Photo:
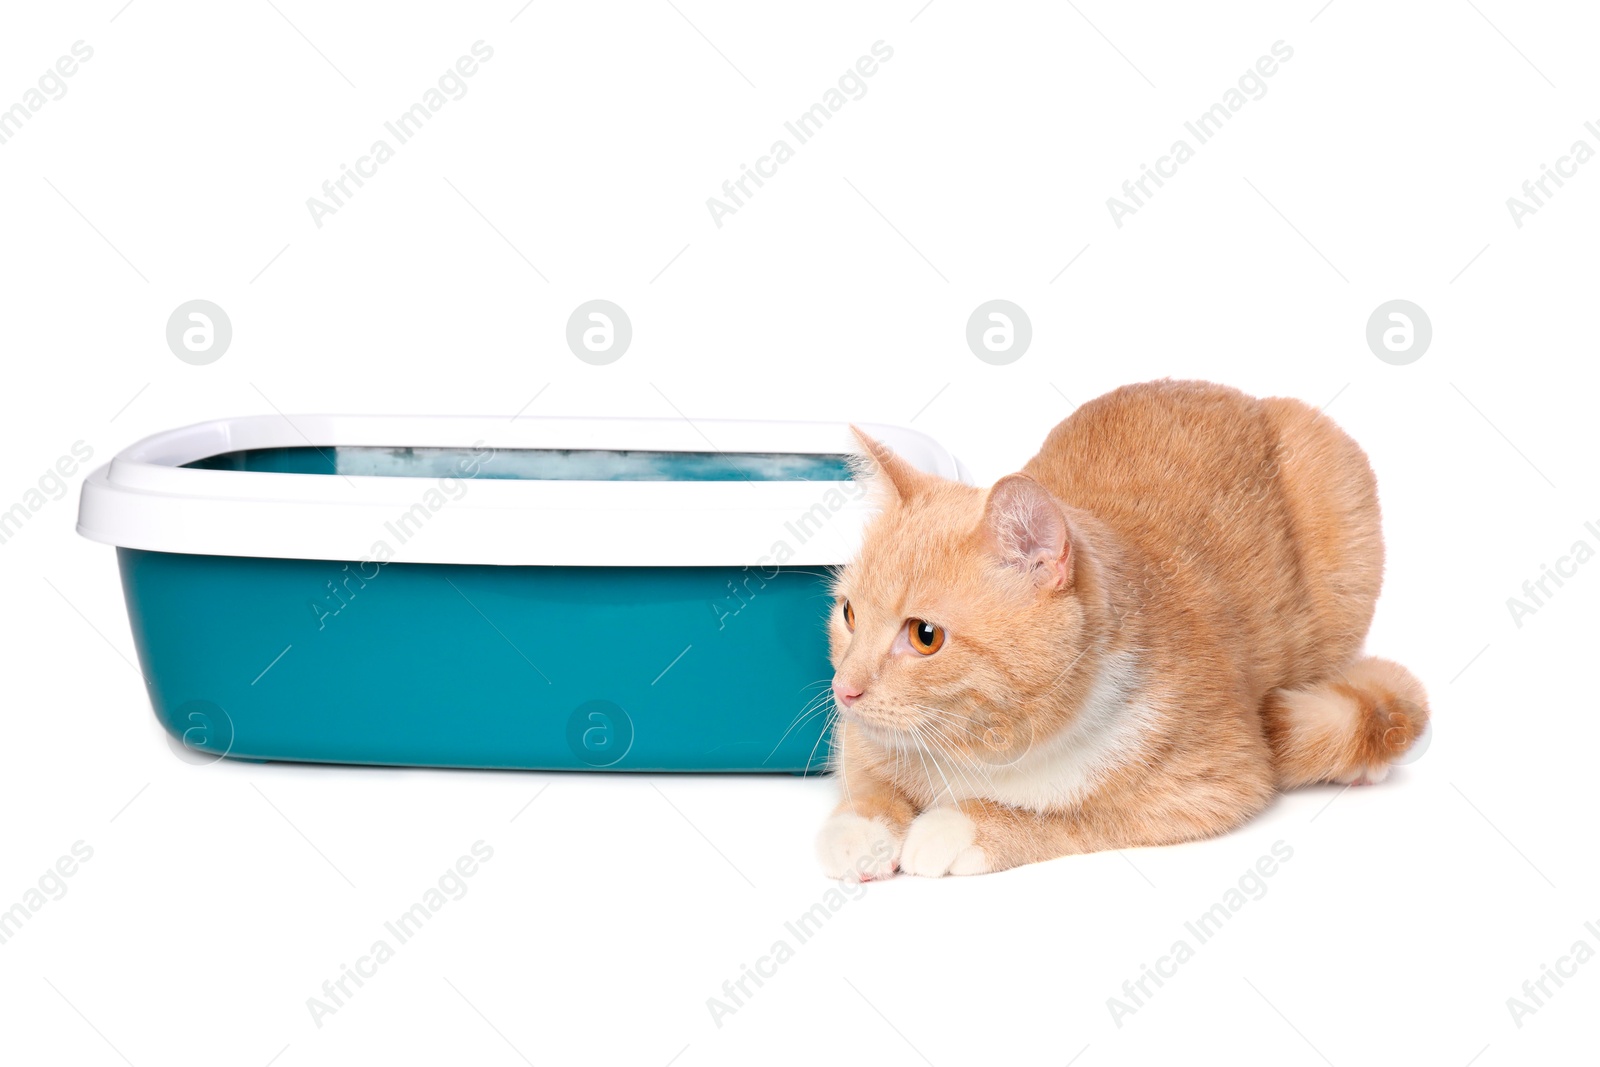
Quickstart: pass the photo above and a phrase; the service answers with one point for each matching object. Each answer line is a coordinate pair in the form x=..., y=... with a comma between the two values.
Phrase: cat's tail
x=1349, y=728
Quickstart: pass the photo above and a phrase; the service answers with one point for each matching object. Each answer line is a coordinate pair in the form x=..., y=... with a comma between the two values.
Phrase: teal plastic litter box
x=549, y=594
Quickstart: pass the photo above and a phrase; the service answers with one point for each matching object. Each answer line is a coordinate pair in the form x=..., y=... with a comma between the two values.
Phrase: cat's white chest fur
x=1058, y=772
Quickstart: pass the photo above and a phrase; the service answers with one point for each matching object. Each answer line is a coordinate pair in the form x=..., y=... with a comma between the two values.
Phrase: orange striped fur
x=1147, y=632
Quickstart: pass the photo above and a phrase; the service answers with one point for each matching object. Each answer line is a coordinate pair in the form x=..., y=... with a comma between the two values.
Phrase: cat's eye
x=849, y=617
x=925, y=637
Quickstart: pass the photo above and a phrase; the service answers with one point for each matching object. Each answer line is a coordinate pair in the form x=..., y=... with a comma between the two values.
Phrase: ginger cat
x=1135, y=641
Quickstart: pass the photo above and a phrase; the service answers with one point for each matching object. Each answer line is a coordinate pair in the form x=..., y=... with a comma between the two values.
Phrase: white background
x=977, y=166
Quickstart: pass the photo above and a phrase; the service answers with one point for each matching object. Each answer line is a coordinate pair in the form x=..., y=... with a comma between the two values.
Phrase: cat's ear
x=1025, y=527
x=880, y=464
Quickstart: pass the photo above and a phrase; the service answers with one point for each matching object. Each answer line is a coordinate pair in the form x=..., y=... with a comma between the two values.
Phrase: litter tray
x=549, y=594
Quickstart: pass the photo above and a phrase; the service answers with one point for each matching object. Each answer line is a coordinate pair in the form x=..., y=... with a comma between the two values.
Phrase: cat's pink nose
x=844, y=692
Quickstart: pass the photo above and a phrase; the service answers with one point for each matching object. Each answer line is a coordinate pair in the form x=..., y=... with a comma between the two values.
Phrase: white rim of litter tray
x=146, y=499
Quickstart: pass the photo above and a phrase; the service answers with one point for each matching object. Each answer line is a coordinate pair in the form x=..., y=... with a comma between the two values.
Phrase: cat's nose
x=844, y=692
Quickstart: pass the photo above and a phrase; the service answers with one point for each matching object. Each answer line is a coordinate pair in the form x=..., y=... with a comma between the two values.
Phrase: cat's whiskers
x=815, y=574
x=904, y=746
x=807, y=712
x=964, y=767
x=962, y=761
x=917, y=735
x=804, y=718
x=833, y=719
x=945, y=717
x=928, y=777
x=838, y=760
x=940, y=746
x=970, y=770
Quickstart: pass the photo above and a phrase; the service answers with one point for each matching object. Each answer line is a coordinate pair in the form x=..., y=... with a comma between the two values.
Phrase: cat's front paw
x=857, y=849
x=943, y=841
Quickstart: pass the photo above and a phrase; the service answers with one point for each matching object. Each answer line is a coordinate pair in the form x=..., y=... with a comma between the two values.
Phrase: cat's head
x=961, y=616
